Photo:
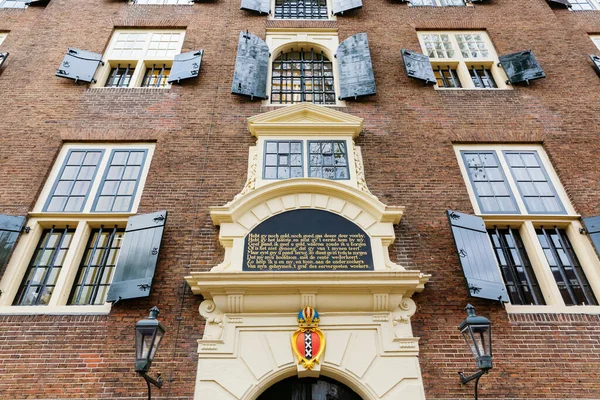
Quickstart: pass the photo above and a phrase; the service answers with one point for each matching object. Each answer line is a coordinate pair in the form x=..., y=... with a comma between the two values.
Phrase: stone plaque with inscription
x=307, y=240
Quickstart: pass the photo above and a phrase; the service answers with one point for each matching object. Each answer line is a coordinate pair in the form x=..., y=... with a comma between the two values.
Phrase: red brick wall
x=201, y=158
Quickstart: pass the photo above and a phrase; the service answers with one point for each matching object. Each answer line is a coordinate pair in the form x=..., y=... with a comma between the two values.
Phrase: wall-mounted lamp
x=148, y=335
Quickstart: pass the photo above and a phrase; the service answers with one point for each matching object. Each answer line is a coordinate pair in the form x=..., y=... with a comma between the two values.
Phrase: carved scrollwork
x=360, y=172
x=251, y=180
x=401, y=318
x=214, y=319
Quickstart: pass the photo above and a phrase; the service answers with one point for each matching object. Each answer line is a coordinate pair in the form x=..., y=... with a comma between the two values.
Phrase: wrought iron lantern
x=477, y=332
x=148, y=335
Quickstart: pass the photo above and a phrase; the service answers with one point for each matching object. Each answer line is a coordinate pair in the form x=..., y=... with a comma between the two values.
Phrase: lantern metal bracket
x=158, y=382
x=466, y=379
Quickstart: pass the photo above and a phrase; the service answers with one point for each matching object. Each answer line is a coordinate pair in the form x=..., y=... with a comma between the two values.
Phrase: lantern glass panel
x=159, y=336
x=143, y=341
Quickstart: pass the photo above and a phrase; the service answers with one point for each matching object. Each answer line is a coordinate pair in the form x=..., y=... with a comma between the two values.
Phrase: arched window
x=321, y=388
x=301, y=9
x=299, y=76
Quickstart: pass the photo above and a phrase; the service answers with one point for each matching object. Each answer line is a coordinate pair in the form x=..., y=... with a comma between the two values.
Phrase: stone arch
x=329, y=371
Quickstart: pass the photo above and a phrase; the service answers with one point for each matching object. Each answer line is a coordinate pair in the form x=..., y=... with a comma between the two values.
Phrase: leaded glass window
x=299, y=76
x=519, y=278
x=13, y=4
x=301, y=9
x=438, y=45
x=74, y=181
x=488, y=182
x=568, y=274
x=328, y=160
x=283, y=159
x=472, y=45
x=97, y=267
x=582, y=5
x=533, y=182
x=45, y=266
x=120, y=181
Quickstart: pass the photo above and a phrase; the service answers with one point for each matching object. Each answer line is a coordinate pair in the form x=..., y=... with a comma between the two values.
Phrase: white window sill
x=56, y=310
x=552, y=309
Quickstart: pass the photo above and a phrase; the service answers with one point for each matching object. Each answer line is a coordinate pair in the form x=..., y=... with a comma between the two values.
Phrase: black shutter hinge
x=26, y=229
x=154, y=251
x=143, y=287
x=160, y=218
x=454, y=216
x=246, y=35
x=474, y=289
x=462, y=253
x=583, y=231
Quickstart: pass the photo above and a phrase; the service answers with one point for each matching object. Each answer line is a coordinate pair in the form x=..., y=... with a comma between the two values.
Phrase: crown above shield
x=308, y=317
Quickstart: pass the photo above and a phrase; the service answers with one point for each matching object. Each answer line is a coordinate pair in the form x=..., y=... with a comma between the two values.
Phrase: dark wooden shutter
x=3, y=57
x=592, y=226
x=185, y=66
x=138, y=257
x=10, y=229
x=251, y=67
x=355, y=67
x=595, y=63
x=79, y=65
x=260, y=6
x=418, y=66
x=559, y=3
x=521, y=67
x=477, y=258
x=340, y=6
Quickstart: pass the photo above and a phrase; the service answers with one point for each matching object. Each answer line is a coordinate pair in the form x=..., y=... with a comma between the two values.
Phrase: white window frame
x=283, y=40
x=83, y=223
x=594, y=3
x=526, y=225
x=596, y=40
x=13, y=4
x=462, y=64
x=140, y=62
x=3, y=36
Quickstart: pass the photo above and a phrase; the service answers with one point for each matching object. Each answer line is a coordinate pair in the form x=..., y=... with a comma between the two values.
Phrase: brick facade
x=201, y=157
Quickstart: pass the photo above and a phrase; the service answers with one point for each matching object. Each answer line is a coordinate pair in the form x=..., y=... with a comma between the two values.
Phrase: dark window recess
x=138, y=257
x=251, y=67
x=355, y=68
x=79, y=65
x=300, y=76
x=301, y=9
x=592, y=225
x=3, y=57
x=185, y=66
x=283, y=160
x=328, y=160
x=120, y=181
x=73, y=185
x=10, y=229
x=521, y=67
x=97, y=267
x=260, y=6
x=559, y=3
x=482, y=77
x=418, y=66
x=568, y=274
x=156, y=76
x=120, y=76
x=595, y=63
x=519, y=278
x=477, y=257
x=47, y=261
x=446, y=77
x=341, y=6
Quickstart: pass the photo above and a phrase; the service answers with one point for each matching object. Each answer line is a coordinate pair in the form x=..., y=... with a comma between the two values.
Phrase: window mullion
x=511, y=182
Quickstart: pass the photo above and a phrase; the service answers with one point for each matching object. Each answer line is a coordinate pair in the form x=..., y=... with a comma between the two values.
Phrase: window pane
x=279, y=155
x=96, y=270
x=44, y=267
x=521, y=284
x=301, y=80
x=488, y=182
x=329, y=160
x=118, y=187
x=567, y=271
x=72, y=186
x=533, y=182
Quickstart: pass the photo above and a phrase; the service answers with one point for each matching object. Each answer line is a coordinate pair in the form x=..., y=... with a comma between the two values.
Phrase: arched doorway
x=309, y=389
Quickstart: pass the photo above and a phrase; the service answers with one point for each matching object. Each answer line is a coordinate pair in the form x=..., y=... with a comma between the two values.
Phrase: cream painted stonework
x=251, y=316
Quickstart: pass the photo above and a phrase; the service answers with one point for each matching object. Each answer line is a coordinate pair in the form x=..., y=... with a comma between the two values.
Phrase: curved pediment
x=306, y=119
